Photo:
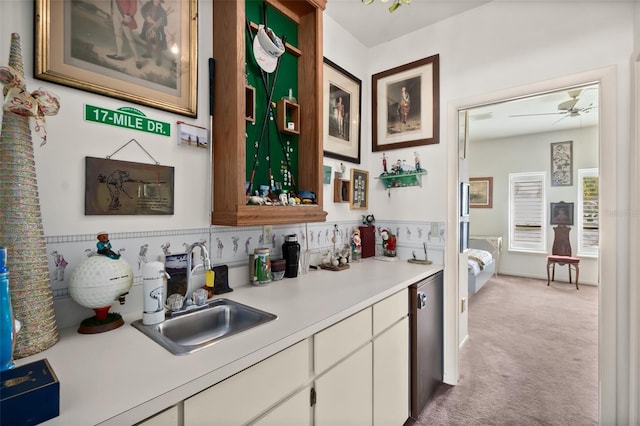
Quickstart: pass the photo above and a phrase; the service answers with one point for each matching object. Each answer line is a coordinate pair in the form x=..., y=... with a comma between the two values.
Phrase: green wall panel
x=269, y=148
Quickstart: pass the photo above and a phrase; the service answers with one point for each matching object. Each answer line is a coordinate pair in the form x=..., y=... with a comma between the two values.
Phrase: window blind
x=588, y=212
x=527, y=212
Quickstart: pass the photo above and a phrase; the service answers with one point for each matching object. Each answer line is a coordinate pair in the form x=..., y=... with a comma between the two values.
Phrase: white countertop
x=122, y=377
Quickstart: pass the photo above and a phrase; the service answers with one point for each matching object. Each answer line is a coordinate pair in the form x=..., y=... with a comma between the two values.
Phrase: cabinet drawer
x=390, y=310
x=336, y=342
x=243, y=396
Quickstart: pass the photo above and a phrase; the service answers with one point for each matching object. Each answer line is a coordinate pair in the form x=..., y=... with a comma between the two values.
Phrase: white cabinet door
x=242, y=397
x=295, y=411
x=391, y=375
x=388, y=311
x=344, y=393
x=336, y=342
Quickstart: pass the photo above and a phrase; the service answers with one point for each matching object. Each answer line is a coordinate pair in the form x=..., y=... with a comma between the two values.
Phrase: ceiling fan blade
x=567, y=105
x=561, y=118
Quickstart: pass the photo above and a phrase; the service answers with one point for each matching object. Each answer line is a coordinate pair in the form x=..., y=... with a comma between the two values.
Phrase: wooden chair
x=561, y=255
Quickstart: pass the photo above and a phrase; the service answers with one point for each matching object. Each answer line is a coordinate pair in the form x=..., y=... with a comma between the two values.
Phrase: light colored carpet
x=531, y=358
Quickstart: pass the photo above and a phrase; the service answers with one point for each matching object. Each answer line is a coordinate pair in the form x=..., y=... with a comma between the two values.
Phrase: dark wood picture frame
x=342, y=102
x=481, y=192
x=406, y=105
x=561, y=213
x=75, y=46
x=464, y=199
x=359, y=194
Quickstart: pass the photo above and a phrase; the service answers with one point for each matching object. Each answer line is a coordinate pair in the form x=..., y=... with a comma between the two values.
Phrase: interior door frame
x=607, y=272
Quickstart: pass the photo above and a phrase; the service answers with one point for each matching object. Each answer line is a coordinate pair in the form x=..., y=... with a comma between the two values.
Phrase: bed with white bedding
x=482, y=267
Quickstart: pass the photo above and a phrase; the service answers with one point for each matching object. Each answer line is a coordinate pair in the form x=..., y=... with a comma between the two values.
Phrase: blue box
x=29, y=394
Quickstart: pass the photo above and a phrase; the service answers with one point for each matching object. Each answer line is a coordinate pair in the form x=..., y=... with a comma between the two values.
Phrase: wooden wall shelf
x=250, y=104
x=341, y=190
x=288, y=112
x=402, y=180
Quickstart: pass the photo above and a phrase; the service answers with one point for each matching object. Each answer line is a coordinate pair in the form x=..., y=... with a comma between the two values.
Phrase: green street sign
x=127, y=117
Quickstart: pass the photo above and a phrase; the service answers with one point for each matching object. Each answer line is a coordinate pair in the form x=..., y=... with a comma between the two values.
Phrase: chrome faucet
x=205, y=265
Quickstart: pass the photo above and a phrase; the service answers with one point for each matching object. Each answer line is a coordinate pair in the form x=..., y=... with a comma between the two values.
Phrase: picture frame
x=562, y=163
x=561, y=213
x=464, y=199
x=342, y=102
x=75, y=46
x=359, y=190
x=481, y=192
x=463, y=133
x=118, y=188
x=464, y=236
x=406, y=105
x=192, y=136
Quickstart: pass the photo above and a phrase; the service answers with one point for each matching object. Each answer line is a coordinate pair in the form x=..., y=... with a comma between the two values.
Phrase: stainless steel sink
x=195, y=330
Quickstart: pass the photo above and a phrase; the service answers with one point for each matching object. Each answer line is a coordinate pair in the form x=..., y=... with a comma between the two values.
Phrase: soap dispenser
x=154, y=292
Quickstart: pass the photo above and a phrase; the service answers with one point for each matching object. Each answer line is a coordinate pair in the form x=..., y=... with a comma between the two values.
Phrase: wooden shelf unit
x=288, y=112
x=341, y=190
x=229, y=155
x=250, y=104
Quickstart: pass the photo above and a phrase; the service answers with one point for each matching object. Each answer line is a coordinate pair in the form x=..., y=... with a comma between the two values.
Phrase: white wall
x=522, y=154
x=341, y=48
x=60, y=163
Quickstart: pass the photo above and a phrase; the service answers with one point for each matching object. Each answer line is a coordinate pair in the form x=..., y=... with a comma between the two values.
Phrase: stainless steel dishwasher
x=426, y=328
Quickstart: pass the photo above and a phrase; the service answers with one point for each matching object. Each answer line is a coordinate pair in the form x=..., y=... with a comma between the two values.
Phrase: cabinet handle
x=422, y=300
x=312, y=397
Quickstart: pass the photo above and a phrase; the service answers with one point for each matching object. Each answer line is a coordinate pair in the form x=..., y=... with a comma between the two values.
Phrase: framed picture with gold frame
x=119, y=53
x=359, y=194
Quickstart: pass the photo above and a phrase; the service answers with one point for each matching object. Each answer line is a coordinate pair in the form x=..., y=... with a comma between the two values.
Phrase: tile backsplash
x=227, y=245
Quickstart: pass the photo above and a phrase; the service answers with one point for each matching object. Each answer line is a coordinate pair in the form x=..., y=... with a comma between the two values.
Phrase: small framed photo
x=359, y=197
x=562, y=163
x=464, y=236
x=481, y=192
x=194, y=136
x=561, y=213
x=464, y=199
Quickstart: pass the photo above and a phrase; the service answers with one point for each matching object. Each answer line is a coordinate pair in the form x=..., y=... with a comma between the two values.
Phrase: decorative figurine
x=388, y=243
x=417, y=161
x=384, y=164
x=104, y=246
x=356, y=245
x=368, y=219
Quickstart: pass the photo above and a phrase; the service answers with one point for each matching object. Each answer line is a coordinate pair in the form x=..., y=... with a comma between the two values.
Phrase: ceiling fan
x=568, y=108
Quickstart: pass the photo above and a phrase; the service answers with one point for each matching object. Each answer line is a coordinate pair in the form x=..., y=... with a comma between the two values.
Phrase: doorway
x=455, y=322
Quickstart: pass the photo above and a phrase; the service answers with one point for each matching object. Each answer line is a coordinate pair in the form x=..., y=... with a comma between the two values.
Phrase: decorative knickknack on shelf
x=21, y=230
x=400, y=174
